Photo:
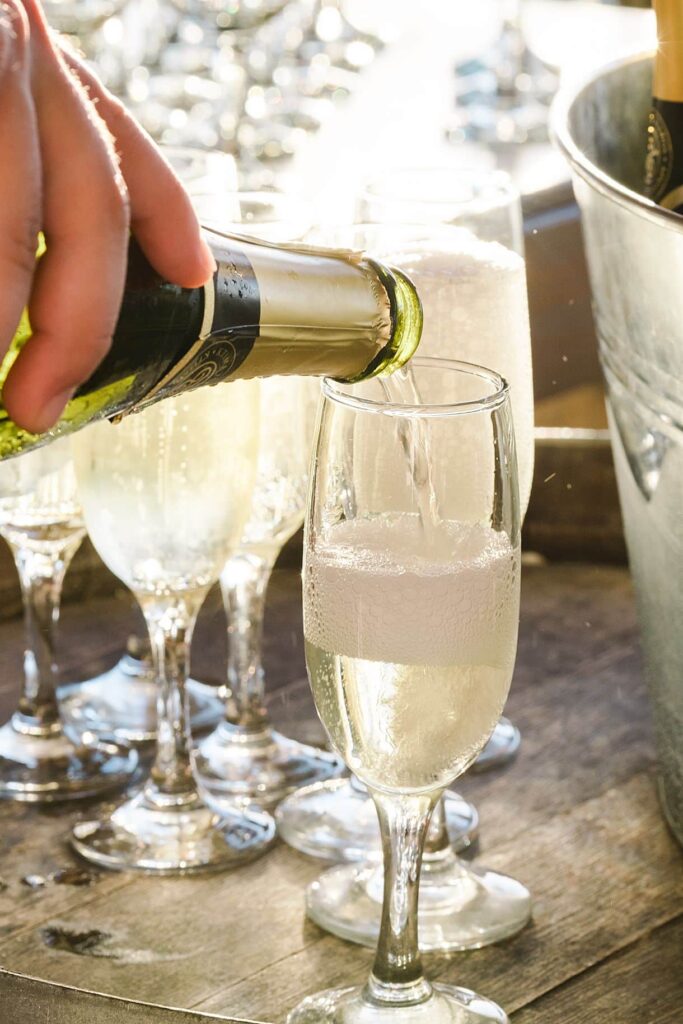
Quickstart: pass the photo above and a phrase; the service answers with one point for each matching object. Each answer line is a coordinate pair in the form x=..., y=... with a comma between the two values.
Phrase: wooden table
x=576, y=818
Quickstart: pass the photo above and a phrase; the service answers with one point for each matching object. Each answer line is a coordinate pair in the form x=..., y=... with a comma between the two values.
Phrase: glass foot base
x=231, y=764
x=501, y=748
x=176, y=840
x=337, y=821
x=446, y=1005
x=42, y=769
x=122, y=703
x=460, y=907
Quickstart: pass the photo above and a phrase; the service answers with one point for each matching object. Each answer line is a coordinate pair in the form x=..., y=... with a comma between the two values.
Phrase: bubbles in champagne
x=279, y=496
x=166, y=492
x=38, y=494
x=410, y=649
x=475, y=308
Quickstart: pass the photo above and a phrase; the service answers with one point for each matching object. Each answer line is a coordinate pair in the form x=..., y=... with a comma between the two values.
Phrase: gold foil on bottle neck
x=668, y=66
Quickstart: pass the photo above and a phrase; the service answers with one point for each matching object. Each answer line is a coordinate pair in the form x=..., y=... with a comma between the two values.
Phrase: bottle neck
x=274, y=309
x=668, y=67
x=406, y=323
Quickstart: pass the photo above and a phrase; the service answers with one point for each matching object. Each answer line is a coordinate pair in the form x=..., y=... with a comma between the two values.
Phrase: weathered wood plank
x=192, y=934
x=641, y=983
x=575, y=817
x=33, y=845
x=583, y=913
x=602, y=875
x=34, y=1001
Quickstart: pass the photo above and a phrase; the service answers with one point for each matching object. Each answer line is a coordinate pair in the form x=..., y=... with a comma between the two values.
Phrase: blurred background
x=316, y=97
x=313, y=98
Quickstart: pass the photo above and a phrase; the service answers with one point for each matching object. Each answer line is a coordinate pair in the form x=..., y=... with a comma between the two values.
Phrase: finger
x=20, y=183
x=162, y=217
x=79, y=283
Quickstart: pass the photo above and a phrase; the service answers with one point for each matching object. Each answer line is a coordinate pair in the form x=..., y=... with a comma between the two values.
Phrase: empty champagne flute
x=411, y=607
x=41, y=520
x=245, y=757
x=165, y=494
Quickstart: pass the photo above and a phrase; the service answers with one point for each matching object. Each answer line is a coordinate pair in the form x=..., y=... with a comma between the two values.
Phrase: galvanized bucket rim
x=561, y=134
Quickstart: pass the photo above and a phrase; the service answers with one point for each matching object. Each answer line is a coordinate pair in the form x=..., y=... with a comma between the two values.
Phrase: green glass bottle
x=269, y=310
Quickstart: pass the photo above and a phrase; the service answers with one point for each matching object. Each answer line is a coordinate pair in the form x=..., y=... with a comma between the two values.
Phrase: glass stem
x=244, y=582
x=41, y=574
x=439, y=856
x=438, y=840
x=397, y=977
x=170, y=625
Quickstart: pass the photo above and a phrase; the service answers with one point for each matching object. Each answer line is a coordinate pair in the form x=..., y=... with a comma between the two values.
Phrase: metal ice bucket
x=634, y=251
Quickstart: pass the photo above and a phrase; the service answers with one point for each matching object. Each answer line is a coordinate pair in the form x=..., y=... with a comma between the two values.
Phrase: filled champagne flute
x=336, y=820
x=165, y=494
x=122, y=700
x=475, y=296
x=40, y=759
x=464, y=256
x=411, y=607
x=245, y=757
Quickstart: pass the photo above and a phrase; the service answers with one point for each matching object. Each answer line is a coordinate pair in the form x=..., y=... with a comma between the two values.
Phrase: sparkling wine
x=38, y=499
x=279, y=496
x=408, y=676
x=475, y=307
x=166, y=493
x=402, y=389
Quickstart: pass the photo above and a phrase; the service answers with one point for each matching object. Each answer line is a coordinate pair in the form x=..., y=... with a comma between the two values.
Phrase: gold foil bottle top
x=668, y=67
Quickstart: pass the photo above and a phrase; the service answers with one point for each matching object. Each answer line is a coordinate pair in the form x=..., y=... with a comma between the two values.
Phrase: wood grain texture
x=643, y=982
x=575, y=817
x=76, y=1006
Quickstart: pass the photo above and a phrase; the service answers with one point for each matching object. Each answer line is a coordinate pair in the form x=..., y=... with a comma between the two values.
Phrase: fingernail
x=52, y=410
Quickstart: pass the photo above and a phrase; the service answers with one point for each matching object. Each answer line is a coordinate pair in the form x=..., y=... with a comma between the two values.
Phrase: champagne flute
x=123, y=700
x=165, y=494
x=473, y=289
x=476, y=301
x=245, y=757
x=336, y=819
x=411, y=605
x=41, y=521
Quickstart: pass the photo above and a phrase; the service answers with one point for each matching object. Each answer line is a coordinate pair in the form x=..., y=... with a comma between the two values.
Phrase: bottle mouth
x=405, y=310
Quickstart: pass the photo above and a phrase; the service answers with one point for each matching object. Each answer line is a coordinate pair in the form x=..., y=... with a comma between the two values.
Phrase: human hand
x=77, y=167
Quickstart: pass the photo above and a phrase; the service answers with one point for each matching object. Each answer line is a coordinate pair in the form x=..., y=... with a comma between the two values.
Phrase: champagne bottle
x=664, y=158
x=269, y=309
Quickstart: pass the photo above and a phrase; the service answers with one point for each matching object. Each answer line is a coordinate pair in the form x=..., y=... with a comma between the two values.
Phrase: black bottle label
x=664, y=157
x=230, y=326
